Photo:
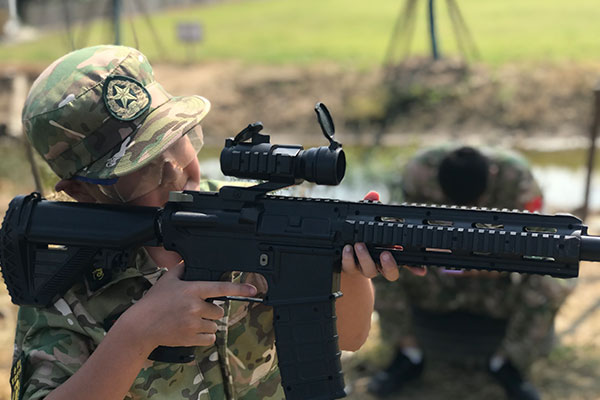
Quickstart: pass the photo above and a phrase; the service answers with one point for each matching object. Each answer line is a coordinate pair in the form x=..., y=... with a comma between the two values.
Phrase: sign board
x=190, y=32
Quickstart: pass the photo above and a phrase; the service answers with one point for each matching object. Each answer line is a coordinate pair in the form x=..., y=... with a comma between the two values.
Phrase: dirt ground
x=418, y=97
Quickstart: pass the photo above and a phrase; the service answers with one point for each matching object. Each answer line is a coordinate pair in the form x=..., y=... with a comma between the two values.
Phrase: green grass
x=348, y=32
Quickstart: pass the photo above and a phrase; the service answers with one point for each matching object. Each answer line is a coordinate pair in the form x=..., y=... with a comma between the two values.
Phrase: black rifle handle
x=185, y=354
x=179, y=354
x=308, y=351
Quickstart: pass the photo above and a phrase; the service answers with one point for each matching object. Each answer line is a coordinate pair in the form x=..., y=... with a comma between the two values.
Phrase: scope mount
x=252, y=131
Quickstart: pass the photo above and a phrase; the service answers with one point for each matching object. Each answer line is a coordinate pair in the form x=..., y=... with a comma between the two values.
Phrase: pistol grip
x=185, y=354
x=179, y=354
x=308, y=351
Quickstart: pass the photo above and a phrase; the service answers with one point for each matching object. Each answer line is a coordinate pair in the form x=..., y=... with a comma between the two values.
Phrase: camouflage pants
x=528, y=303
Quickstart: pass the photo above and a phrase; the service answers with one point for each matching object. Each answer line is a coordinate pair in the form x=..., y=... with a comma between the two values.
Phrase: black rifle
x=295, y=243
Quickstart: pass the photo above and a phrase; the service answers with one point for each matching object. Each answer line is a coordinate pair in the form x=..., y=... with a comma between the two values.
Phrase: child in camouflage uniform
x=452, y=174
x=114, y=135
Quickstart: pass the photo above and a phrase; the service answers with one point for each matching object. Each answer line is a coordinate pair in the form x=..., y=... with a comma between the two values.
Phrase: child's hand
x=175, y=312
x=366, y=265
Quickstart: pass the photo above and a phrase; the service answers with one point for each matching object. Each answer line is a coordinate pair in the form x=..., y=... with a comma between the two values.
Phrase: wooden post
x=20, y=87
x=592, y=150
x=435, y=54
x=19, y=93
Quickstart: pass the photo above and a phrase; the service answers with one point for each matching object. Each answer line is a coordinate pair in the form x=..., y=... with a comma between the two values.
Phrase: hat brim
x=161, y=128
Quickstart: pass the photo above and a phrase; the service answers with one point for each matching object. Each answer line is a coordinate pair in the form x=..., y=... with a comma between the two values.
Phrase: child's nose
x=170, y=172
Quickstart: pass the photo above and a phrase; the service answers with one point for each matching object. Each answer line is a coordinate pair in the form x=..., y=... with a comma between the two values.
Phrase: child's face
x=186, y=178
x=176, y=169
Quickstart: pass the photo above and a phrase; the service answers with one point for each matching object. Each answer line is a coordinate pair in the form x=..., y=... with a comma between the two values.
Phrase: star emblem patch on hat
x=125, y=98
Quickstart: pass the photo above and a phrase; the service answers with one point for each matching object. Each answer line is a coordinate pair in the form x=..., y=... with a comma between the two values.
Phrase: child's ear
x=76, y=189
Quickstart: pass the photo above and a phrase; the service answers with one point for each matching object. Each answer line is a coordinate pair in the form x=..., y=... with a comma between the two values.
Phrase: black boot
x=516, y=387
x=394, y=377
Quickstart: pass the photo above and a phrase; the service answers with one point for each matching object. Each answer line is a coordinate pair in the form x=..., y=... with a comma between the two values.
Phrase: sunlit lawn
x=355, y=33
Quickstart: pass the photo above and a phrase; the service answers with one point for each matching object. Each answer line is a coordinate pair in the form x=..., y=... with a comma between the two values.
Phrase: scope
x=250, y=155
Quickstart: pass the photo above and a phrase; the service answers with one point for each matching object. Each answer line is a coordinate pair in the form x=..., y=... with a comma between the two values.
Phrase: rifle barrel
x=590, y=248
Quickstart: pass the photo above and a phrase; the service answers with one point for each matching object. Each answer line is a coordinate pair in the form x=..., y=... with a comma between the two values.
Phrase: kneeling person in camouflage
x=521, y=306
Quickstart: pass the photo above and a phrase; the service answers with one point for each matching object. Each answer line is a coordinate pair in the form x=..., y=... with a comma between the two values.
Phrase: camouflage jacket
x=51, y=344
x=510, y=184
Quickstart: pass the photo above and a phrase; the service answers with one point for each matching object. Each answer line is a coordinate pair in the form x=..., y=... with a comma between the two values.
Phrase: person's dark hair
x=463, y=175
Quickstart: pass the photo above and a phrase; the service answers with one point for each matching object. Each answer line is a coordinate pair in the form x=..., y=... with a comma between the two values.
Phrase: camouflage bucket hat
x=97, y=114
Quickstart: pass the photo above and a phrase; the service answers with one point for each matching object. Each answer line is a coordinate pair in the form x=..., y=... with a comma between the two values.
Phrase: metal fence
x=55, y=13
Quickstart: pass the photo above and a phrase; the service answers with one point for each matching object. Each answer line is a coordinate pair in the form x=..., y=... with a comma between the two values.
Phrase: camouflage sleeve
x=512, y=184
x=50, y=346
x=530, y=331
x=530, y=195
x=419, y=181
x=251, y=348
